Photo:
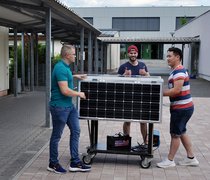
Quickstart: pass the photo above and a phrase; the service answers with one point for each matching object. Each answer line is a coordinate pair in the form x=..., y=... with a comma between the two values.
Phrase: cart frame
x=95, y=147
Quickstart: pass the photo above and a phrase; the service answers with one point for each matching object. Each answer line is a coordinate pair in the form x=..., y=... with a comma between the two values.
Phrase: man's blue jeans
x=60, y=117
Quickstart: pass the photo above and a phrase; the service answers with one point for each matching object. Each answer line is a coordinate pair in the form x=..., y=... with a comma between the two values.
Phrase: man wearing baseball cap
x=134, y=67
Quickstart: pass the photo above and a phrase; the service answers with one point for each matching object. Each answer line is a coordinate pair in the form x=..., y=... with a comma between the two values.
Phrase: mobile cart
x=117, y=98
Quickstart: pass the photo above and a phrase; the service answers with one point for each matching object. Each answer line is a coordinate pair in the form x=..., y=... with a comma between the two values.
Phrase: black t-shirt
x=134, y=69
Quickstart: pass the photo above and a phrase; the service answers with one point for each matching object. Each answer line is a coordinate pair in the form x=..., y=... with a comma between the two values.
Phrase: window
x=136, y=23
x=89, y=19
x=180, y=21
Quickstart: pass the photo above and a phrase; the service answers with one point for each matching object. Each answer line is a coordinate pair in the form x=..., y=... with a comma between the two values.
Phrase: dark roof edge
x=63, y=8
x=177, y=40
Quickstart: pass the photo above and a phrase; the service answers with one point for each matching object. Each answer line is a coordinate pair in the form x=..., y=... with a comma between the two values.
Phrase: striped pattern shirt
x=183, y=100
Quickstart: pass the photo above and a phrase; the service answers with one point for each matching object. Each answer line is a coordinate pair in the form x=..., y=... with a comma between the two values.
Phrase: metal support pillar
x=48, y=67
x=76, y=64
x=22, y=62
x=29, y=62
x=90, y=58
x=105, y=58
x=37, y=61
x=15, y=81
x=82, y=50
x=32, y=62
x=183, y=54
x=96, y=55
x=53, y=48
x=102, y=58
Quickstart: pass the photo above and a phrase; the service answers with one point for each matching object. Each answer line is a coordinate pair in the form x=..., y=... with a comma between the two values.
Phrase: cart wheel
x=144, y=163
x=87, y=159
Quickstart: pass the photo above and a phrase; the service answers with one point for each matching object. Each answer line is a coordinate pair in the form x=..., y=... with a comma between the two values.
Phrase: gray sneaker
x=189, y=162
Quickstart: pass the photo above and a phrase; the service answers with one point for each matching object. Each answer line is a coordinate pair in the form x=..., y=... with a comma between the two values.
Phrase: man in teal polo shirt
x=63, y=112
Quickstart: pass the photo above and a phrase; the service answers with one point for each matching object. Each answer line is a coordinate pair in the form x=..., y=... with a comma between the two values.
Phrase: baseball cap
x=132, y=47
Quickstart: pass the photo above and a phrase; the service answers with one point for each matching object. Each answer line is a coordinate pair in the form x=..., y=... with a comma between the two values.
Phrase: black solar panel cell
x=137, y=97
x=101, y=104
x=93, y=86
x=155, y=88
x=146, y=88
x=119, y=96
x=155, y=98
x=109, y=113
x=102, y=96
x=110, y=105
x=93, y=112
x=119, y=113
x=119, y=87
x=101, y=113
x=119, y=105
x=137, y=106
x=110, y=87
x=102, y=87
x=111, y=95
x=154, y=116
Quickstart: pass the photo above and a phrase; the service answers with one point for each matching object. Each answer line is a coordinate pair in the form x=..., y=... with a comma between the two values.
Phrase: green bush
x=41, y=58
x=55, y=59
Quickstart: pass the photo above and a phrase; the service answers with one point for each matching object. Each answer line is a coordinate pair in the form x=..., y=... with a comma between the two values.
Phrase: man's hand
x=142, y=72
x=127, y=72
x=173, y=92
x=80, y=76
x=82, y=95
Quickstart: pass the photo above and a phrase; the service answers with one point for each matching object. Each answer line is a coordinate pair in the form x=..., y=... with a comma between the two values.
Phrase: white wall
x=4, y=60
x=200, y=27
x=113, y=57
x=57, y=48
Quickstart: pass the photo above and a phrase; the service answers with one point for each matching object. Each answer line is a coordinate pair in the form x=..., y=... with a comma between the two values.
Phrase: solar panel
x=121, y=98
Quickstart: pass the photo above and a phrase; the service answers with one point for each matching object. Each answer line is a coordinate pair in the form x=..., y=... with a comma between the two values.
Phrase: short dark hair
x=176, y=51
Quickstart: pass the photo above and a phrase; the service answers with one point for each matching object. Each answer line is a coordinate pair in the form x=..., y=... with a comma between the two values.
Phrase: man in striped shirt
x=181, y=110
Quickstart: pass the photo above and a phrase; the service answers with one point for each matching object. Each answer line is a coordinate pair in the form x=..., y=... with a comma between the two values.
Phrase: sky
x=126, y=3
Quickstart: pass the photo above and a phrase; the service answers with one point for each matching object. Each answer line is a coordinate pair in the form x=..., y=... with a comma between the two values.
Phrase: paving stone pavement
x=126, y=167
x=22, y=131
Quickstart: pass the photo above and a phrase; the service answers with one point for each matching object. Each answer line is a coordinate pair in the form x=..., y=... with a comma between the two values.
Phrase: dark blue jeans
x=60, y=117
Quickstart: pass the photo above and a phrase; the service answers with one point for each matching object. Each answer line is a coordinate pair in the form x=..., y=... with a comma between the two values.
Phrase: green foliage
x=41, y=58
x=183, y=20
x=42, y=53
x=11, y=63
x=55, y=59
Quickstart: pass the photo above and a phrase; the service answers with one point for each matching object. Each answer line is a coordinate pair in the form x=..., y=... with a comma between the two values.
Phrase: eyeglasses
x=73, y=54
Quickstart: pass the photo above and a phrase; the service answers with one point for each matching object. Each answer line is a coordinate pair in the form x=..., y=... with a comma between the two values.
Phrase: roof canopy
x=30, y=16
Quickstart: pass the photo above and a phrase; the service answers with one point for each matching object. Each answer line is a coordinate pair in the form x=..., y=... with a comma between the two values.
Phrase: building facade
x=142, y=22
x=198, y=27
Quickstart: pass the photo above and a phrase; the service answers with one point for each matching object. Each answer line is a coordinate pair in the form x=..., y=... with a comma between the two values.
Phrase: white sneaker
x=166, y=163
x=189, y=162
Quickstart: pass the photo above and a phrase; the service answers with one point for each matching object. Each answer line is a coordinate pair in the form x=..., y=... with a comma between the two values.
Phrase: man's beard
x=132, y=59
